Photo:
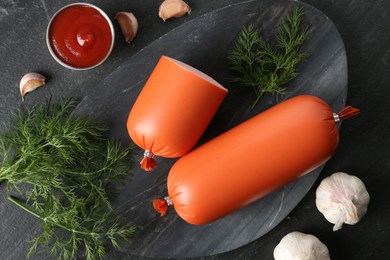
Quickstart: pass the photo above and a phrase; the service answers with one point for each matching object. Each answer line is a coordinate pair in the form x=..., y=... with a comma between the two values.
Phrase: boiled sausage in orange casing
x=254, y=159
x=173, y=110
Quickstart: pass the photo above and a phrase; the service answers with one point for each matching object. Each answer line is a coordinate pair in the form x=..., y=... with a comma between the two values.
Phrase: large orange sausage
x=253, y=159
x=173, y=110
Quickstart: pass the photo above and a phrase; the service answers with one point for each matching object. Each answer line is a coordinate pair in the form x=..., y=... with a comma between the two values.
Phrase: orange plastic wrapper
x=253, y=159
x=173, y=110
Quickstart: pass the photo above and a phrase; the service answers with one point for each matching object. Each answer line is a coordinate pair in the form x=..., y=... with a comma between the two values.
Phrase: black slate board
x=204, y=43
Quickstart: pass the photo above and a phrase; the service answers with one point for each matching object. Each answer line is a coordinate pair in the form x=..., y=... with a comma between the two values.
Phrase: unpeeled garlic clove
x=128, y=24
x=30, y=82
x=342, y=198
x=299, y=246
x=173, y=8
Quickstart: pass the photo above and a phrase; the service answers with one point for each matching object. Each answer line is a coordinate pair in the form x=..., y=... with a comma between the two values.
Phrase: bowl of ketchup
x=80, y=36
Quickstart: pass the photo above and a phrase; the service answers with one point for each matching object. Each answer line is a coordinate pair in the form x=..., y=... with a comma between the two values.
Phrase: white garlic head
x=342, y=198
x=301, y=246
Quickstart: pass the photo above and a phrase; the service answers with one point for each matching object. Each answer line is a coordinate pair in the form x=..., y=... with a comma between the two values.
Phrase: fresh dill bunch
x=63, y=168
x=264, y=68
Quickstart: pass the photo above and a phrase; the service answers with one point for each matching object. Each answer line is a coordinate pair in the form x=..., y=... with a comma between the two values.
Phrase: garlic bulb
x=30, y=82
x=300, y=246
x=342, y=198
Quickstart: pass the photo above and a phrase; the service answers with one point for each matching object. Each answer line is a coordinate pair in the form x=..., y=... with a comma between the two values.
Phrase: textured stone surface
x=205, y=44
x=202, y=39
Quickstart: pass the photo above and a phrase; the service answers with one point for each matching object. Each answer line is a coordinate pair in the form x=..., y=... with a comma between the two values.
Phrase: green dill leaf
x=264, y=68
x=61, y=166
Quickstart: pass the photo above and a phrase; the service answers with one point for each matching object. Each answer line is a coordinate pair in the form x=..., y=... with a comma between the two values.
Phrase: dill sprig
x=63, y=169
x=264, y=68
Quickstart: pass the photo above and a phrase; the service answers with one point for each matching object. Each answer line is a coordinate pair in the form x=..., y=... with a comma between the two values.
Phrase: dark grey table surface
x=364, y=27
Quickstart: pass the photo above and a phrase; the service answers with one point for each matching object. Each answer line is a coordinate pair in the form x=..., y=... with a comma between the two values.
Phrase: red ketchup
x=80, y=36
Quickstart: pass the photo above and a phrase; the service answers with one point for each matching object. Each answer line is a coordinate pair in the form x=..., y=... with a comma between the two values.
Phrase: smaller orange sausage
x=253, y=159
x=173, y=110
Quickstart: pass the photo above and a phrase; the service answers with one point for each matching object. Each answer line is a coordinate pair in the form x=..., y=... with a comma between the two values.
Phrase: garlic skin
x=342, y=198
x=30, y=82
x=301, y=246
x=128, y=24
x=173, y=8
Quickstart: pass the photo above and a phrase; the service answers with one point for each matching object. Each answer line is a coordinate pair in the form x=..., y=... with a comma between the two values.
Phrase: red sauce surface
x=80, y=36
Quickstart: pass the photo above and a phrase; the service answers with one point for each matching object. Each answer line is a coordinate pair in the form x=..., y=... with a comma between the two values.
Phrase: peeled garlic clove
x=128, y=24
x=30, y=82
x=342, y=198
x=300, y=246
x=173, y=8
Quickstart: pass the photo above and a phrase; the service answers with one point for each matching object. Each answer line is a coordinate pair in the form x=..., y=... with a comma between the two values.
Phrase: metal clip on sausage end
x=161, y=206
x=148, y=163
x=345, y=113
